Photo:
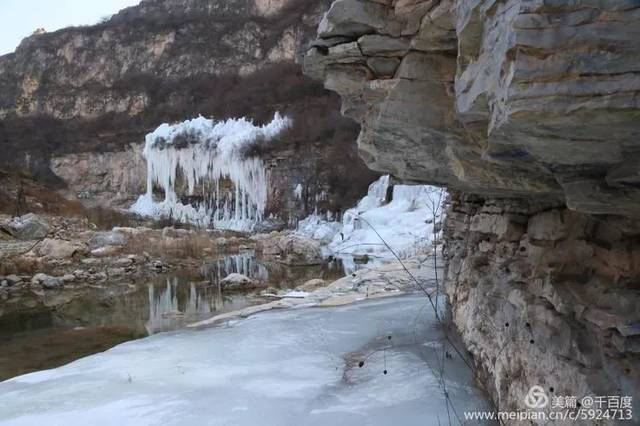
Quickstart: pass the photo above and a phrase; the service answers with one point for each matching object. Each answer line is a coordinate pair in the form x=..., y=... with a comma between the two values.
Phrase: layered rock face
x=103, y=178
x=528, y=111
x=501, y=98
x=91, y=71
x=545, y=296
x=75, y=104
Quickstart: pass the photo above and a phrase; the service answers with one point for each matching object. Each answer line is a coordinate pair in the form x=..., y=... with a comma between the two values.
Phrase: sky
x=20, y=18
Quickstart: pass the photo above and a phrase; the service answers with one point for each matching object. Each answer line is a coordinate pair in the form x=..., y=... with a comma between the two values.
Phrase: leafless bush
x=195, y=245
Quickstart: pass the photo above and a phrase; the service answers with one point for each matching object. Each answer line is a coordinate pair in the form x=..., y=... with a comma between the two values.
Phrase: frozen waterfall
x=402, y=216
x=204, y=153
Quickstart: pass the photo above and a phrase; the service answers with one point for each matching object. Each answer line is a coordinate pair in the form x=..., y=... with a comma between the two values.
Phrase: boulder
x=237, y=282
x=312, y=285
x=12, y=279
x=291, y=249
x=267, y=244
x=60, y=249
x=47, y=281
x=109, y=238
x=298, y=250
x=27, y=227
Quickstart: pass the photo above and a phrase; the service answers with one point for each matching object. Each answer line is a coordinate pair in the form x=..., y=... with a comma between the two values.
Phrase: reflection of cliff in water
x=245, y=263
x=272, y=273
x=175, y=304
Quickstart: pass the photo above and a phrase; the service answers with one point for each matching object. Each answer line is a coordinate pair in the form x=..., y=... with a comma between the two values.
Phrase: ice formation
x=205, y=152
x=405, y=223
x=292, y=367
x=297, y=192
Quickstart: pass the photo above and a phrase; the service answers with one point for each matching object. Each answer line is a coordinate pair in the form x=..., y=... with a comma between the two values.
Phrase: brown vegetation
x=20, y=194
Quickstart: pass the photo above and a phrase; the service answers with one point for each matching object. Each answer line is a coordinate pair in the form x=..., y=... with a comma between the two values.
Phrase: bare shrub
x=195, y=245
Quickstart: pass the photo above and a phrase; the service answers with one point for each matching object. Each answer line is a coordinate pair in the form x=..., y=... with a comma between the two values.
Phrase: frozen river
x=291, y=367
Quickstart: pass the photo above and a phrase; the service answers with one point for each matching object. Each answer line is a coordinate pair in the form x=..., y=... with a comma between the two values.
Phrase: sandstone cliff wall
x=528, y=111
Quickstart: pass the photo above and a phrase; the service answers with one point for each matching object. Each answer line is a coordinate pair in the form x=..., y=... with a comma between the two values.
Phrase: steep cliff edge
x=75, y=104
x=528, y=111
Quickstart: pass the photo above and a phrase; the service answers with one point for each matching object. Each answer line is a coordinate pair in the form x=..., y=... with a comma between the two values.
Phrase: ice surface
x=405, y=223
x=203, y=152
x=293, y=367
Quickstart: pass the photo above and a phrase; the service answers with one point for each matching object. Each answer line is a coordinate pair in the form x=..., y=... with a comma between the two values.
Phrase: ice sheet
x=293, y=367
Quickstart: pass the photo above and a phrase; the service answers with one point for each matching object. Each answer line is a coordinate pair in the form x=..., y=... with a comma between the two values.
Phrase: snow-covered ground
x=405, y=224
x=291, y=367
x=203, y=152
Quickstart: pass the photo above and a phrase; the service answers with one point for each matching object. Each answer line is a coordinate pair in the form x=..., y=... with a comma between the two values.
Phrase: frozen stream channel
x=290, y=367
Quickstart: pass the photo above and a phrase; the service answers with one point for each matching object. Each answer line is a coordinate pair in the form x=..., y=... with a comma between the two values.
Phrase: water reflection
x=245, y=263
x=46, y=331
x=172, y=305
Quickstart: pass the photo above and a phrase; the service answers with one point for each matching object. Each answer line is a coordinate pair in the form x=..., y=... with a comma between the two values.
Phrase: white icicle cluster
x=207, y=151
x=405, y=222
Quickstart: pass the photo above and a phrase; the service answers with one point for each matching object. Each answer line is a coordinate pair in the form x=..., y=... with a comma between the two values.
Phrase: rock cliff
x=504, y=98
x=75, y=104
x=545, y=296
x=528, y=112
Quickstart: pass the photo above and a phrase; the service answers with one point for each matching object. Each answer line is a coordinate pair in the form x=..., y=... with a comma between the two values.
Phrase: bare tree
x=20, y=201
x=435, y=206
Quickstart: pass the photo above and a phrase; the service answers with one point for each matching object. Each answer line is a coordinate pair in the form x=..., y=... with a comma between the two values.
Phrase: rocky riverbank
x=51, y=252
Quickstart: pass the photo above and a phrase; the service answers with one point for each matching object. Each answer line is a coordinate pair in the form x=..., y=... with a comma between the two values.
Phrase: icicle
x=215, y=155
